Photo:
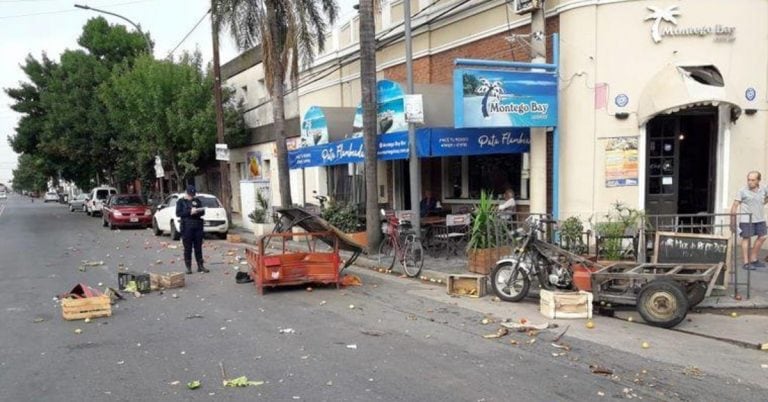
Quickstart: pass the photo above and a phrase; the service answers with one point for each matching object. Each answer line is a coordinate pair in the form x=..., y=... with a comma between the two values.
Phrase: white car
x=96, y=199
x=51, y=196
x=214, y=220
x=3, y=195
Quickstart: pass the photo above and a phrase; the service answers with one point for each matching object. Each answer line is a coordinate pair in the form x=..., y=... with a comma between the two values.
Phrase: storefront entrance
x=681, y=164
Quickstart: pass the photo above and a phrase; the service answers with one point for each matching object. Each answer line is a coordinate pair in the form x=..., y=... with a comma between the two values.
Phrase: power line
x=190, y=32
x=5, y=17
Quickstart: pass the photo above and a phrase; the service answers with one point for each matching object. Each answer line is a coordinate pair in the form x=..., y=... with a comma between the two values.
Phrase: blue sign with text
x=455, y=142
x=391, y=147
x=503, y=98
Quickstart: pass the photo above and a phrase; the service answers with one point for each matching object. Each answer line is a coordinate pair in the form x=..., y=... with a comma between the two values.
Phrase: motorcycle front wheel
x=508, y=283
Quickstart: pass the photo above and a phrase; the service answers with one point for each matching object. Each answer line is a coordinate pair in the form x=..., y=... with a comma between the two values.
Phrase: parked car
x=3, y=195
x=126, y=210
x=51, y=196
x=78, y=203
x=96, y=199
x=214, y=221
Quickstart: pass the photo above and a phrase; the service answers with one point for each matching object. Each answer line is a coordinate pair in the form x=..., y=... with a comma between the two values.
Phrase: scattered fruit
x=351, y=306
x=87, y=320
x=590, y=324
x=645, y=345
x=78, y=331
x=309, y=289
x=630, y=319
x=734, y=314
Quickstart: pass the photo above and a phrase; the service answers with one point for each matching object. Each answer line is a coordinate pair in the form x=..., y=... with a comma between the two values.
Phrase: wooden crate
x=172, y=280
x=466, y=285
x=89, y=307
x=557, y=305
x=154, y=282
x=234, y=238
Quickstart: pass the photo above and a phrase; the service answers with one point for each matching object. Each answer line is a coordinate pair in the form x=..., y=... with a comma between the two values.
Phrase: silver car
x=78, y=203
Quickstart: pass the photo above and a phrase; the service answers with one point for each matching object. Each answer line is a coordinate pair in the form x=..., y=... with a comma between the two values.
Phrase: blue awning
x=431, y=142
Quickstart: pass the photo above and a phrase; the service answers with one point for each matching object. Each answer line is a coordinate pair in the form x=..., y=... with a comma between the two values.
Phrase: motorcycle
x=534, y=259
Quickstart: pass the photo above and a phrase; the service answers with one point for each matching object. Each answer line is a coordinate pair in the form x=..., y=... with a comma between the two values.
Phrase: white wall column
x=538, y=170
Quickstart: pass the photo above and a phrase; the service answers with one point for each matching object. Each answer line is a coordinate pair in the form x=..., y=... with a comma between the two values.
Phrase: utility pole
x=538, y=153
x=414, y=167
x=223, y=165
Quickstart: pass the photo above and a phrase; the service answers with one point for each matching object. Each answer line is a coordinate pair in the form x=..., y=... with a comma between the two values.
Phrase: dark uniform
x=191, y=229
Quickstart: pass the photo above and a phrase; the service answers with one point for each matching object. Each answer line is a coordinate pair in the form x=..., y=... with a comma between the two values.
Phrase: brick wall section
x=438, y=68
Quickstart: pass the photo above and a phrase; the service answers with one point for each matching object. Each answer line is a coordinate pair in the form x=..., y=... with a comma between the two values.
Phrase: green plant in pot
x=487, y=236
x=342, y=216
x=572, y=235
x=618, y=225
x=260, y=216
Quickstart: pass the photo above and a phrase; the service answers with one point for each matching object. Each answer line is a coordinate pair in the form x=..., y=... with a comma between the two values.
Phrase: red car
x=126, y=210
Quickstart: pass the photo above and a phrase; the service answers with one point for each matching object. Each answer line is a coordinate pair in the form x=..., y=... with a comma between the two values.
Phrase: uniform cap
x=191, y=190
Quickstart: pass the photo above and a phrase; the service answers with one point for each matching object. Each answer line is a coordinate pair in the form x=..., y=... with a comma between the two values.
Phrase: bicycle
x=400, y=243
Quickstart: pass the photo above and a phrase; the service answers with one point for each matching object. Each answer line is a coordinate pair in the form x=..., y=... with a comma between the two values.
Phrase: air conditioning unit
x=526, y=6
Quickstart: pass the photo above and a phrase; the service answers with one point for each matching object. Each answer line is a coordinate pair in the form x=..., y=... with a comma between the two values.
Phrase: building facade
x=661, y=103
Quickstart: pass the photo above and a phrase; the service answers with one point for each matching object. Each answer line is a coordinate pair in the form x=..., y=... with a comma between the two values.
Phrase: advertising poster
x=254, y=163
x=621, y=162
x=314, y=128
x=391, y=110
x=502, y=98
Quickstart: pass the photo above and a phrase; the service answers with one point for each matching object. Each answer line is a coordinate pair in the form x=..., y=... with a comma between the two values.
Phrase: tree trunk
x=278, y=114
x=369, y=101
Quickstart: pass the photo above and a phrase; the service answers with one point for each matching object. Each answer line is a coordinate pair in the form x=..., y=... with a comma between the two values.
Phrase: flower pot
x=261, y=229
x=481, y=261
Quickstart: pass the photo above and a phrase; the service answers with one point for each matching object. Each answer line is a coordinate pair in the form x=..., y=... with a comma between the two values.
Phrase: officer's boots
x=201, y=267
x=188, y=264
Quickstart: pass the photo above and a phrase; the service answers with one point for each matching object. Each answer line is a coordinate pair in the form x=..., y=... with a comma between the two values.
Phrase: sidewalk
x=438, y=269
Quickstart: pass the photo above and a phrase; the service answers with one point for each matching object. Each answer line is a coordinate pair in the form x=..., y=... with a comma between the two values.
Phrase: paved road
x=408, y=348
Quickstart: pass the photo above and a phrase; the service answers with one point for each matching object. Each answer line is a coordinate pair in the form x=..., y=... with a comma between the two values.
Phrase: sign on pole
x=159, y=172
x=222, y=152
x=414, y=109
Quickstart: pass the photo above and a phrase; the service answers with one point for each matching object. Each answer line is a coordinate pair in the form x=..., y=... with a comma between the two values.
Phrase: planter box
x=261, y=229
x=557, y=305
x=481, y=261
x=466, y=285
x=89, y=307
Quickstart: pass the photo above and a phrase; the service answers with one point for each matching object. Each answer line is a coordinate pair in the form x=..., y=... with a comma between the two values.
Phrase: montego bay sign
x=504, y=98
x=664, y=24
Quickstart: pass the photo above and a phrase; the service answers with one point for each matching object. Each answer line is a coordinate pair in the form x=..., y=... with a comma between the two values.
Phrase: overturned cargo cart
x=277, y=261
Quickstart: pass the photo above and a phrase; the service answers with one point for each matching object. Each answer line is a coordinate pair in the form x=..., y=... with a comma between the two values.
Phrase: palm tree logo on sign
x=657, y=15
x=491, y=92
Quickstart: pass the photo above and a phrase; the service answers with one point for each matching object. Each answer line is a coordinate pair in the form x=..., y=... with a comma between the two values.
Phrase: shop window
x=495, y=174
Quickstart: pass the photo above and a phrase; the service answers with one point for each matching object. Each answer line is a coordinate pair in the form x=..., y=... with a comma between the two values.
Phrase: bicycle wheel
x=386, y=255
x=413, y=258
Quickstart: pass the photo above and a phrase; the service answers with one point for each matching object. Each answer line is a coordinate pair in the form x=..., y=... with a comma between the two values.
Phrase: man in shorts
x=751, y=199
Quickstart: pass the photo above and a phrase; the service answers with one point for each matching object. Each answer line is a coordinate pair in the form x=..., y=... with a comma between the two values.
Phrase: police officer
x=191, y=212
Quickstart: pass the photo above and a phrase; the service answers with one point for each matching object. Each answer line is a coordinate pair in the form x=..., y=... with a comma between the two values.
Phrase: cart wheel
x=662, y=303
x=696, y=292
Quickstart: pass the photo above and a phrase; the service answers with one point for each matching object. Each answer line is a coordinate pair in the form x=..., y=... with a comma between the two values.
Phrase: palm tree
x=288, y=31
x=658, y=15
x=370, y=106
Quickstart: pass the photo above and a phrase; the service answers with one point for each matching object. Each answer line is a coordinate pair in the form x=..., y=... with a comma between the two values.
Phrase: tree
x=370, y=106
x=287, y=31
x=165, y=108
x=29, y=174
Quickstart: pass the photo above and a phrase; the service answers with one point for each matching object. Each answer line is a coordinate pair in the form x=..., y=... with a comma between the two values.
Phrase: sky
x=52, y=26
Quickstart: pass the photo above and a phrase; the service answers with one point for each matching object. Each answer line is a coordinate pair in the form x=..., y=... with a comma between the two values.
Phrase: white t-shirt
x=508, y=204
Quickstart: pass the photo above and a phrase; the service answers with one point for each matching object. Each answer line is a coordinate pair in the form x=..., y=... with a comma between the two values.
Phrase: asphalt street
x=379, y=341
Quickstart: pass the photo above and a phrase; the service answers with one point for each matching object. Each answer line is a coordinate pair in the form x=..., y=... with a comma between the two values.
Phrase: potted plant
x=572, y=235
x=344, y=217
x=487, y=237
x=621, y=224
x=260, y=217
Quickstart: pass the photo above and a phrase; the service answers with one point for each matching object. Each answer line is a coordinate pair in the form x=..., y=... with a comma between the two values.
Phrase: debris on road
x=371, y=332
x=193, y=384
x=351, y=280
x=600, y=370
x=287, y=331
x=525, y=327
x=352, y=346
x=241, y=382
x=78, y=331
x=501, y=332
x=38, y=320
